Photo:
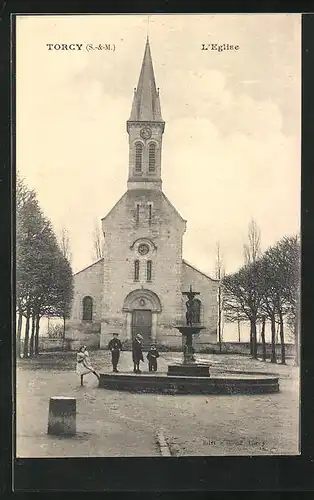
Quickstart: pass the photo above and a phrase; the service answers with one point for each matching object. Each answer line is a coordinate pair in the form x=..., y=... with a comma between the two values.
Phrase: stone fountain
x=189, y=366
x=190, y=377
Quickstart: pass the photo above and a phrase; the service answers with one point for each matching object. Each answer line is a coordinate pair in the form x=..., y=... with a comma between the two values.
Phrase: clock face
x=143, y=249
x=146, y=133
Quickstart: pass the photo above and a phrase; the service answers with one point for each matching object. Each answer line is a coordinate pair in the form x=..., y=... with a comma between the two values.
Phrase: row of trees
x=44, y=281
x=266, y=288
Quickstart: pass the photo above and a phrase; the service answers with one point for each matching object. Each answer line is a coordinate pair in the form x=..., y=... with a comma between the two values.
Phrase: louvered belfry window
x=138, y=157
x=152, y=157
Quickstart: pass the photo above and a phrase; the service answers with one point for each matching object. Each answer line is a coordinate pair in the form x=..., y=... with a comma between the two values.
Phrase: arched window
x=138, y=157
x=152, y=157
x=197, y=311
x=136, y=270
x=87, y=309
x=149, y=265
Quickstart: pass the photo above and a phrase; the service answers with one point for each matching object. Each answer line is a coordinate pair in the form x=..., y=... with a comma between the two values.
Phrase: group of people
x=115, y=346
x=84, y=365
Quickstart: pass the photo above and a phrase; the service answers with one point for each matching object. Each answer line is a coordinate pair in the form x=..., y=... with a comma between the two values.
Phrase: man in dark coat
x=137, y=353
x=115, y=347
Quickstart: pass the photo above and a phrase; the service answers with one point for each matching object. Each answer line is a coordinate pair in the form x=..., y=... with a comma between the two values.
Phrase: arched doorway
x=142, y=324
x=142, y=307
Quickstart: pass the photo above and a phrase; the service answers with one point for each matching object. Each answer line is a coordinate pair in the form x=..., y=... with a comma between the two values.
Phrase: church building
x=137, y=286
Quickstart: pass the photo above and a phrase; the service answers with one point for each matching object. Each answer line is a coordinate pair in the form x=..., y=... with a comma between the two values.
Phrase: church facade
x=137, y=286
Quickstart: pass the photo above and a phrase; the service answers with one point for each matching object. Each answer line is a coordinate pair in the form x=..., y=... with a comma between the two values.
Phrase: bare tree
x=252, y=249
x=97, y=242
x=64, y=244
x=242, y=298
x=252, y=252
x=220, y=274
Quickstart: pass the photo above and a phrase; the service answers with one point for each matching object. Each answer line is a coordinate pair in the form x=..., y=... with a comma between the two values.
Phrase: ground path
x=113, y=423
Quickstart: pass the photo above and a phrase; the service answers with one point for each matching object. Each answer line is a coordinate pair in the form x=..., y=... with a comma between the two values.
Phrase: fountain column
x=189, y=367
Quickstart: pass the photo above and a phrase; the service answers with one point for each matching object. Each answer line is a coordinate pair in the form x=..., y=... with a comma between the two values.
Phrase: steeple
x=146, y=104
x=145, y=128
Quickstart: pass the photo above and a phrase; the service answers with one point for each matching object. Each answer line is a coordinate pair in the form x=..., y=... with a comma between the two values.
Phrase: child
x=83, y=364
x=137, y=353
x=152, y=356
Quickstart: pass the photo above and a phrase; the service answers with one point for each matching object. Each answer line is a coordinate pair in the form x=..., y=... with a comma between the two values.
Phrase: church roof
x=197, y=270
x=87, y=267
x=146, y=104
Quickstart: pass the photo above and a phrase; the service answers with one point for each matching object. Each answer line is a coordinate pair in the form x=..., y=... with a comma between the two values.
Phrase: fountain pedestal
x=189, y=368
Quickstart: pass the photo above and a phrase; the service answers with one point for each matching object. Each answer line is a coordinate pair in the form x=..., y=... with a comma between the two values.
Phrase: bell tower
x=145, y=128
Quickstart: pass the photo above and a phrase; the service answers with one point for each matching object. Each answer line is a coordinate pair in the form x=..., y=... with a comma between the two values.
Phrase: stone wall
x=88, y=282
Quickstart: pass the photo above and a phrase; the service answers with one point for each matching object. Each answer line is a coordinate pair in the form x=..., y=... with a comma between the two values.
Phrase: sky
x=231, y=146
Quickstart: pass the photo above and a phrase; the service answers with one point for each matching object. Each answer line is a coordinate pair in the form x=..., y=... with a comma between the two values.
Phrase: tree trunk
x=263, y=339
x=219, y=319
x=31, y=346
x=282, y=338
x=277, y=334
x=251, y=340
x=239, y=331
x=296, y=345
x=19, y=332
x=273, y=358
x=296, y=336
x=26, y=338
x=63, y=333
x=254, y=338
x=37, y=333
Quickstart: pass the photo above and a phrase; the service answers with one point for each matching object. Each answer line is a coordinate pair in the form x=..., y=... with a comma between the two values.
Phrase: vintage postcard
x=157, y=235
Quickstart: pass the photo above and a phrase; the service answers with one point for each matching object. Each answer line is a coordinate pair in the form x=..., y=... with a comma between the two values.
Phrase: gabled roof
x=198, y=271
x=91, y=265
x=173, y=207
x=146, y=104
x=114, y=206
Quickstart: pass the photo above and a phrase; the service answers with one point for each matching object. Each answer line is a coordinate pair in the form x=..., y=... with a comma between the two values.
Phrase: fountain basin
x=166, y=384
x=190, y=330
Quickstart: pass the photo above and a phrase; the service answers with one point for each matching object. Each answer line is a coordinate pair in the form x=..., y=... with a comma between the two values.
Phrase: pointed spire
x=146, y=104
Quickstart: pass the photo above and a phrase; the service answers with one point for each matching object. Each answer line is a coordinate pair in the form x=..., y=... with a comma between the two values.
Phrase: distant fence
x=244, y=348
x=48, y=344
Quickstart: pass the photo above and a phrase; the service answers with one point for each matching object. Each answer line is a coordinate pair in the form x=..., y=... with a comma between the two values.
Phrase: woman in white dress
x=83, y=364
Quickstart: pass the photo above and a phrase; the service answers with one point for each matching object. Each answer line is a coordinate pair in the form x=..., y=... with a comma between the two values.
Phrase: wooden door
x=142, y=324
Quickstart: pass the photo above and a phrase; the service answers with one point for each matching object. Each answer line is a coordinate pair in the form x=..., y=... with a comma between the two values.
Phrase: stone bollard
x=62, y=416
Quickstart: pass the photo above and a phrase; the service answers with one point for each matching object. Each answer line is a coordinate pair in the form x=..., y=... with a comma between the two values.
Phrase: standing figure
x=152, y=356
x=189, y=312
x=115, y=347
x=137, y=353
x=83, y=364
